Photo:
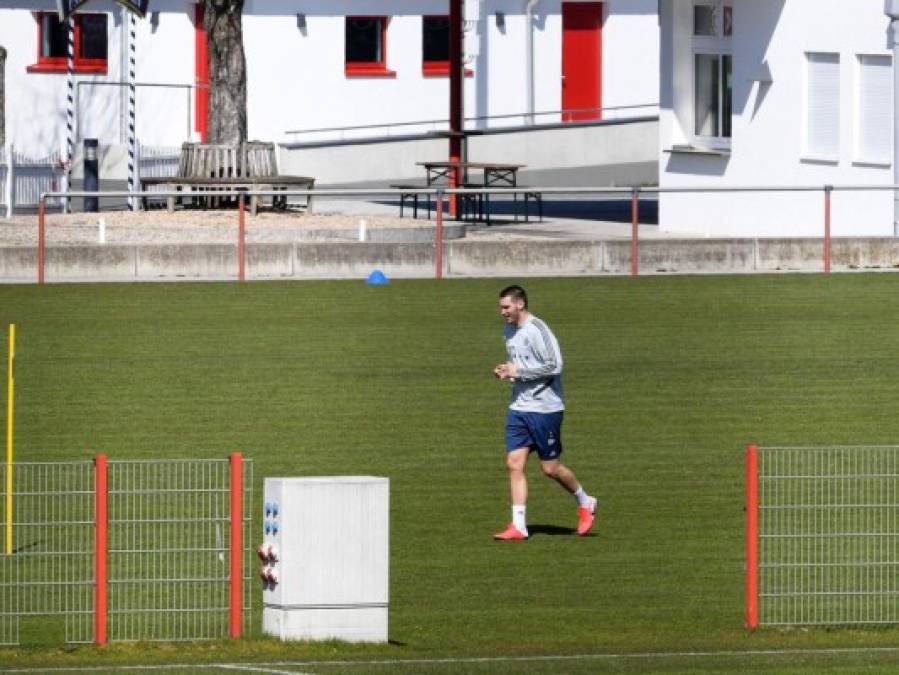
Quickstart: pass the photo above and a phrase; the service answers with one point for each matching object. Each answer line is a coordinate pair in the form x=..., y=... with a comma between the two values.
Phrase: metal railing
x=481, y=122
x=822, y=535
x=128, y=550
x=447, y=196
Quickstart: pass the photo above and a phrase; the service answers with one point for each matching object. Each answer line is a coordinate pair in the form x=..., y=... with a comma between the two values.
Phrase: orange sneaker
x=511, y=533
x=585, y=517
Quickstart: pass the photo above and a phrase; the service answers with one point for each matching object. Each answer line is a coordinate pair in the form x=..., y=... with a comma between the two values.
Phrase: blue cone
x=377, y=278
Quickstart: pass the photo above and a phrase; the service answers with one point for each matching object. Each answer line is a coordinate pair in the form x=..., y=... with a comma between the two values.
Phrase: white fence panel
x=159, y=162
x=30, y=178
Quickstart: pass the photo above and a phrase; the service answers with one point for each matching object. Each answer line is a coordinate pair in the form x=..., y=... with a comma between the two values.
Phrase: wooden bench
x=408, y=193
x=477, y=206
x=206, y=168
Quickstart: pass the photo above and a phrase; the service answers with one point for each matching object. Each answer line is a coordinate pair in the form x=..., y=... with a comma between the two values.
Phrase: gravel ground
x=197, y=226
x=203, y=226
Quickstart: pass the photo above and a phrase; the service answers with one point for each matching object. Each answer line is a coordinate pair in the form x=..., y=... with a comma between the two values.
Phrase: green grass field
x=667, y=379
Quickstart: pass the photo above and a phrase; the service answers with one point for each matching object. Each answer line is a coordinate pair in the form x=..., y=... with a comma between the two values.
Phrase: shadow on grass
x=552, y=530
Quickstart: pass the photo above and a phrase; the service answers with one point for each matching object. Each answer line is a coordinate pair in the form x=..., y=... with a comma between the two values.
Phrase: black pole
x=91, y=174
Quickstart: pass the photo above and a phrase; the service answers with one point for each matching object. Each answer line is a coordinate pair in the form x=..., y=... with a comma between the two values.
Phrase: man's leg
x=516, y=463
x=560, y=473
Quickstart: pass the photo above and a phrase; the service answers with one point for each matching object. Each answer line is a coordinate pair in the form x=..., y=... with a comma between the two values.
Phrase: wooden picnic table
x=493, y=175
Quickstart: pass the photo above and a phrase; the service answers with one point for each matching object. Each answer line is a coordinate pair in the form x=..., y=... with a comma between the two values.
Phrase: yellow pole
x=10, y=410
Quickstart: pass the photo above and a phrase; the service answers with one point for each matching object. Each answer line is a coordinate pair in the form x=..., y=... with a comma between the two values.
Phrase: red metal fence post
x=827, y=190
x=41, y=227
x=635, y=232
x=101, y=548
x=438, y=239
x=241, y=237
x=234, y=616
x=752, y=536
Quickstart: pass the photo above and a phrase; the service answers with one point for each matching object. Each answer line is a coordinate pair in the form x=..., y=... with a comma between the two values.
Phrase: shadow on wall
x=766, y=16
x=697, y=165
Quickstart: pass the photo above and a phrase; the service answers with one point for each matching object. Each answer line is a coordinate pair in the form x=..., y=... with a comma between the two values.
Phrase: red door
x=581, y=61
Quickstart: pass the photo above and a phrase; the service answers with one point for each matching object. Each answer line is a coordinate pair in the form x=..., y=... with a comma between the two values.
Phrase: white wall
x=296, y=78
x=769, y=123
x=36, y=102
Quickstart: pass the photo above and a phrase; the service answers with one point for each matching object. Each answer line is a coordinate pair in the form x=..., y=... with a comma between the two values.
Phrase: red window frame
x=370, y=68
x=431, y=68
x=57, y=64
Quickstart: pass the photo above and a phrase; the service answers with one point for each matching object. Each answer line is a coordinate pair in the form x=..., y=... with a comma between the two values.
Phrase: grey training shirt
x=535, y=352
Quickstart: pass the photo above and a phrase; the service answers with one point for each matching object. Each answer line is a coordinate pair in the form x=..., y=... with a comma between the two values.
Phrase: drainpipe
x=891, y=9
x=529, y=49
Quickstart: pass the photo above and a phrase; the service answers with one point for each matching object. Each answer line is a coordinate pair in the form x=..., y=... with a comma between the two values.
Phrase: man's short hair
x=516, y=293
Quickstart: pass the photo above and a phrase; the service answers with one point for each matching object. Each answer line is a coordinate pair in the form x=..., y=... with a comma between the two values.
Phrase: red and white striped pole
x=101, y=549
x=236, y=571
x=752, y=536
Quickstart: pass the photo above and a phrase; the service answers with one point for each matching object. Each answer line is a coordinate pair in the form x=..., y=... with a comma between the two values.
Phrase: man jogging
x=534, y=421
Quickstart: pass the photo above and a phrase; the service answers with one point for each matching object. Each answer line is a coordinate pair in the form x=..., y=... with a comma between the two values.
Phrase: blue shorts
x=538, y=431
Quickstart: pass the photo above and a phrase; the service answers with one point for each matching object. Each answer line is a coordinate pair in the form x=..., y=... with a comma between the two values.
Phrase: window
x=90, y=44
x=435, y=43
x=712, y=72
x=874, y=131
x=822, y=140
x=366, y=46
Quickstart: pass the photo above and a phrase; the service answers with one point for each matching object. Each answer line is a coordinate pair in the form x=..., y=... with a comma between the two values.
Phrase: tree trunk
x=2, y=96
x=227, y=120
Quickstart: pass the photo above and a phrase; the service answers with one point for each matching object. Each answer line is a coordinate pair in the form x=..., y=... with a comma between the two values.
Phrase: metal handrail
x=446, y=190
x=478, y=118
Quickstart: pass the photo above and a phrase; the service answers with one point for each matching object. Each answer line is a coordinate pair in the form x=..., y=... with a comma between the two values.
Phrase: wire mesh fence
x=828, y=535
x=169, y=549
x=47, y=582
x=167, y=559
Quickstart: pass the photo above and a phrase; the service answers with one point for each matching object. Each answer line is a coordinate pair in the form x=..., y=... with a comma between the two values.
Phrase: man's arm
x=546, y=349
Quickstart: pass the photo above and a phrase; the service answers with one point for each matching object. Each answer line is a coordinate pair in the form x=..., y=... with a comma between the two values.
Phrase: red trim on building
x=440, y=68
x=201, y=77
x=58, y=64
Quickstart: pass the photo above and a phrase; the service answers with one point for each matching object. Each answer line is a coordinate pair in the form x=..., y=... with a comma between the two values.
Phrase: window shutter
x=875, y=109
x=823, y=139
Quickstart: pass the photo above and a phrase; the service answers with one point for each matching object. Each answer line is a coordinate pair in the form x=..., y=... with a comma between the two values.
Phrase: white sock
x=583, y=499
x=518, y=517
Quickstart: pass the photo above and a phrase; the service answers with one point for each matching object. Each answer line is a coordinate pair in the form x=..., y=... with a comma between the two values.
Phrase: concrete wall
x=769, y=122
x=296, y=77
x=462, y=258
x=601, y=153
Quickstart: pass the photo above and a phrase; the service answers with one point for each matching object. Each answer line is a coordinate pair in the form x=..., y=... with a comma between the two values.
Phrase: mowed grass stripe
x=667, y=379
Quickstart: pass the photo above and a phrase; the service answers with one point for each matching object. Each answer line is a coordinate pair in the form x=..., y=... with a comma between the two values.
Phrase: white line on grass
x=253, y=668
x=267, y=666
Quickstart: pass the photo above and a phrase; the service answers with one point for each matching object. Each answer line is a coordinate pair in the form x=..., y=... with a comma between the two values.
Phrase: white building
x=775, y=92
x=325, y=63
